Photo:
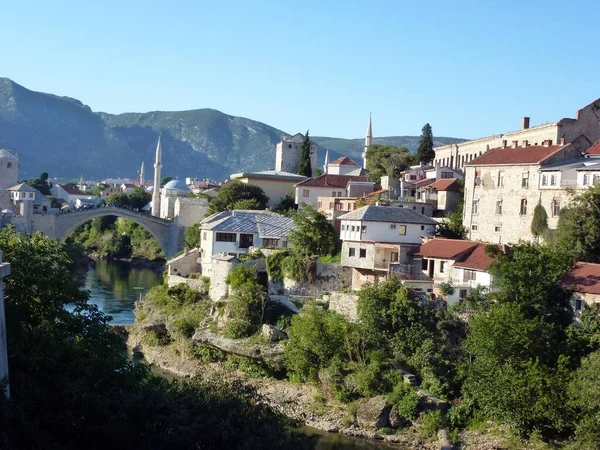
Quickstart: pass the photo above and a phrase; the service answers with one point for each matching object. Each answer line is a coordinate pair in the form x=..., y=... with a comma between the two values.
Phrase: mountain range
x=64, y=137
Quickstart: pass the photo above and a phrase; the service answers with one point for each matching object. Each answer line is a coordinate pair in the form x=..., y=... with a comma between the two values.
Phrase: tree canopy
x=238, y=195
x=41, y=184
x=425, y=153
x=134, y=200
x=387, y=160
x=304, y=165
x=313, y=235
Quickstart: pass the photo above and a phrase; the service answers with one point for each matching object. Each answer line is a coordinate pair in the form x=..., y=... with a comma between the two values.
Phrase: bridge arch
x=166, y=232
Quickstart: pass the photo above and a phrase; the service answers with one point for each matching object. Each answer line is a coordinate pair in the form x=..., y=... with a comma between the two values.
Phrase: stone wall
x=344, y=304
x=194, y=283
x=329, y=277
x=221, y=268
x=184, y=265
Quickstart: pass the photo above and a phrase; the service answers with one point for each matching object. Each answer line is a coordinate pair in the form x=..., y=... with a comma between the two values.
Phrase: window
x=204, y=236
x=363, y=229
x=226, y=237
x=499, y=207
x=246, y=240
x=352, y=227
x=305, y=193
x=393, y=226
x=424, y=264
x=555, y=207
x=498, y=228
x=447, y=175
x=578, y=305
x=525, y=180
x=402, y=229
x=8, y=165
x=586, y=180
x=552, y=180
x=333, y=194
x=289, y=145
x=351, y=252
x=330, y=205
x=523, y=209
x=462, y=293
x=500, y=179
x=468, y=275
x=320, y=205
x=442, y=266
x=422, y=210
x=596, y=180
x=474, y=227
x=422, y=227
x=362, y=253
x=339, y=193
x=475, y=207
x=270, y=242
x=394, y=257
x=544, y=180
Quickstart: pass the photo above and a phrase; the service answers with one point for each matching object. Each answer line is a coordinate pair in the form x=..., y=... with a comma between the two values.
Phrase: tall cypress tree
x=304, y=166
x=425, y=153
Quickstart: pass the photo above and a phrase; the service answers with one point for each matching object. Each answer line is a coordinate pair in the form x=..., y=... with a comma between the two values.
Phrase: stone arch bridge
x=167, y=232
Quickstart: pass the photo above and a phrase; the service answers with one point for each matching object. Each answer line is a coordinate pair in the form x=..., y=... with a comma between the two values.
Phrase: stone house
x=583, y=280
x=444, y=195
x=503, y=186
x=581, y=131
x=234, y=232
x=344, y=166
x=189, y=211
x=378, y=241
x=326, y=185
x=276, y=185
x=287, y=153
x=461, y=264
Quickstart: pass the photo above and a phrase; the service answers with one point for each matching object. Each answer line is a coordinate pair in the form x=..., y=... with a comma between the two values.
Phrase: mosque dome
x=150, y=189
x=7, y=156
x=177, y=185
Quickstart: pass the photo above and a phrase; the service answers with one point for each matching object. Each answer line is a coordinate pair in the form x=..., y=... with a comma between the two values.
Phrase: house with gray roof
x=234, y=232
x=379, y=241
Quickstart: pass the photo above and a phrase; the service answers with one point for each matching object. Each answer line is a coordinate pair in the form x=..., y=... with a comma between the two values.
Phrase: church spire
x=368, y=139
x=156, y=192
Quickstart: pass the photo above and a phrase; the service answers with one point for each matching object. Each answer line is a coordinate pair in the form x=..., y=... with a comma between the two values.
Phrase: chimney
x=504, y=143
x=515, y=144
x=563, y=141
x=546, y=143
x=525, y=123
x=525, y=143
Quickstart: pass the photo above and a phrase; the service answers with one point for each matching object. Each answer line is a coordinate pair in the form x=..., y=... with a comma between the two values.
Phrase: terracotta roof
x=344, y=161
x=328, y=180
x=445, y=248
x=584, y=278
x=374, y=193
x=445, y=184
x=594, y=150
x=477, y=259
x=129, y=185
x=71, y=190
x=532, y=154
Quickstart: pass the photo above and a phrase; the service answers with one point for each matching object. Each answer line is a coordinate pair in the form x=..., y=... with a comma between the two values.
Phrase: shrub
x=205, y=353
x=247, y=303
x=432, y=421
x=250, y=367
x=185, y=326
x=406, y=400
x=153, y=339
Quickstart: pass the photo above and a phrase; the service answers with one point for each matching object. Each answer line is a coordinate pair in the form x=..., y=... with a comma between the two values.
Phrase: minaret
x=142, y=175
x=80, y=183
x=326, y=165
x=367, y=142
x=156, y=192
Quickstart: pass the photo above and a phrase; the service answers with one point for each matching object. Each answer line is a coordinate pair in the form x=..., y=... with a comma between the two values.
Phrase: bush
x=406, y=400
x=205, y=353
x=185, y=326
x=250, y=367
x=153, y=339
x=247, y=303
x=432, y=421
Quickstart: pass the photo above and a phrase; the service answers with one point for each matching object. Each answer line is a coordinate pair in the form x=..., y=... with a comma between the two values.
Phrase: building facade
x=287, y=153
x=275, y=185
x=309, y=191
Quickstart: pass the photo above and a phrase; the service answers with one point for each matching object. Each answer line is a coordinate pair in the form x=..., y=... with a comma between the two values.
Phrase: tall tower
x=326, y=165
x=142, y=175
x=156, y=192
x=367, y=142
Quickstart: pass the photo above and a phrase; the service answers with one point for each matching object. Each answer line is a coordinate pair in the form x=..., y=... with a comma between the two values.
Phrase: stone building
x=582, y=132
x=276, y=185
x=503, y=186
x=287, y=153
x=309, y=190
x=583, y=281
x=9, y=169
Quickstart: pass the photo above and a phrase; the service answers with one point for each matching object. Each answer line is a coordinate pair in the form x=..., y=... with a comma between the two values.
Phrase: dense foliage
x=192, y=236
x=387, y=160
x=539, y=222
x=304, y=165
x=135, y=200
x=425, y=152
x=73, y=387
x=247, y=303
x=238, y=195
x=41, y=184
x=313, y=235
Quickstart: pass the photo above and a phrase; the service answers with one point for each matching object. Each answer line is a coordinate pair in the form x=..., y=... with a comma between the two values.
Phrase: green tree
x=286, y=206
x=584, y=398
x=387, y=160
x=165, y=180
x=304, y=165
x=247, y=303
x=578, y=233
x=539, y=222
x=313, y=235
x=138, y=198
x=425, y=153
x=192, y=236
x=452, y=227
x=41, y=184
x=233, y=193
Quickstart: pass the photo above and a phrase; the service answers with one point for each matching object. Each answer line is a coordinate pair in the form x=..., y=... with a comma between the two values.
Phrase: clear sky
x=469, y=68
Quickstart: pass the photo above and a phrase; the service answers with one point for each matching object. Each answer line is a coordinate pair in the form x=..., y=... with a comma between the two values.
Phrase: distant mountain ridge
x=64, y=137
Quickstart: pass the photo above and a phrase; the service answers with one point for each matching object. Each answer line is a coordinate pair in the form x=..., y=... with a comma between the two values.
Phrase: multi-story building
x=309, y=190
x=378, y=241
x=234, y=232
x=275, y=185
x=582, y=132
x=287, y=153
x=344, y=166
x=444, y=195
x=503, y=187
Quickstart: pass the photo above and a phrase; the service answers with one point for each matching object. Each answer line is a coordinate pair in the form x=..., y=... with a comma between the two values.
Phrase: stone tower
x=9, y=169
x=142, y=175
x=156, y=191
x=368, y=138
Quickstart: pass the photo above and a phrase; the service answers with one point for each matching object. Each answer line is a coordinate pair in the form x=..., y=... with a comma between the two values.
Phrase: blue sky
x=469, y=68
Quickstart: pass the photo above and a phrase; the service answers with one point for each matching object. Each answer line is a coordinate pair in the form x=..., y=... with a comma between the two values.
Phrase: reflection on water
x=115, y=286
x=333, y=441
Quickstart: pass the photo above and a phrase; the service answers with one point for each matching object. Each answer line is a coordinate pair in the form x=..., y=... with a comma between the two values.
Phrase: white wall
x=382, y=232
x=315, y=193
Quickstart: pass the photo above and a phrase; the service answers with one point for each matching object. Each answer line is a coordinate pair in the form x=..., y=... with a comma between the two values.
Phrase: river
x=115, y=286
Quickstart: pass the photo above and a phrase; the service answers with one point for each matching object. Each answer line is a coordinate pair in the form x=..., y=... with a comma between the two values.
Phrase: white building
x=276, y=185
x=309, y=190
x=287, y=153
x=70, y=194
x=378, y=241
x=234, y=232
x=458, y=263
x=128, y=188
x=344, y=166
x=169, y=193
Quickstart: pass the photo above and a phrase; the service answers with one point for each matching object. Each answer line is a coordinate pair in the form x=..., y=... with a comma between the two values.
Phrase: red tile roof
x=532, y=154
x=445, y=248
x=584, y=278
x=445, y=184
x=344, y=161
x=71, y=190
x=328, y=180
x=594, y=150
x=477, y=259
x=374, y=193
x=129, y=185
